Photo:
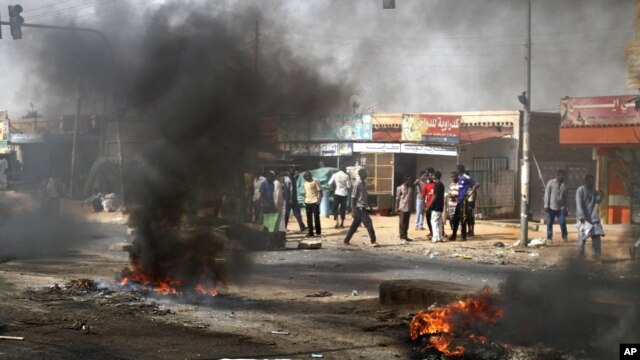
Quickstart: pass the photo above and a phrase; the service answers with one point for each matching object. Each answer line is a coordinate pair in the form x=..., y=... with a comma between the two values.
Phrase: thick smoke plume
x=28, y=231
x=190, y=72
x=197, y=82
x=573, y=310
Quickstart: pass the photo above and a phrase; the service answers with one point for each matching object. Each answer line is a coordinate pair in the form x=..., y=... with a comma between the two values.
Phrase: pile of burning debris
x=191, y=261
x=464, y=329
x=459, y=329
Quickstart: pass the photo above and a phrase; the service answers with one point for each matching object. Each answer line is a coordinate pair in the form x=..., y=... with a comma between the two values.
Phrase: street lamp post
x=525, y=176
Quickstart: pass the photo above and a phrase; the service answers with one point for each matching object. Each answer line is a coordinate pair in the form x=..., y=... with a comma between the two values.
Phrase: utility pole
x=74, y=149
x=256, y=48
x=524, y=172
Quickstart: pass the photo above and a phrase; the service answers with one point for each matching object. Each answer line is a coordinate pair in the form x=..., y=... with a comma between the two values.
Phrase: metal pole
x=74, y=149
x=524, y=180
x=120, y=162
x=103, y=124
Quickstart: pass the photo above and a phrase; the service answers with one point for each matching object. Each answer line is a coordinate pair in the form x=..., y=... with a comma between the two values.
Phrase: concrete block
x=291, y=245
x=310, y=244
x=422, y=292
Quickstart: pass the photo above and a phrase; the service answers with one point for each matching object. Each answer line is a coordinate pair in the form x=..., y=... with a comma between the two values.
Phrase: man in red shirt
x=427, y=193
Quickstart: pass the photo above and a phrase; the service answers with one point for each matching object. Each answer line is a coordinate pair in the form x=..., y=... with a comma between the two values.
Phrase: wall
x=444, y=164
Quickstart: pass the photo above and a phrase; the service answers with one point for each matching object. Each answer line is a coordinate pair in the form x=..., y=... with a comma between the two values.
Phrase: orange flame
x=201, y=289
x=166, y=286
x=449, y=326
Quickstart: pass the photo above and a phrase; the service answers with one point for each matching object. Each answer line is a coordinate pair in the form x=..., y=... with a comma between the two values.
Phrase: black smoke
x=192, y=75
x=577, y=310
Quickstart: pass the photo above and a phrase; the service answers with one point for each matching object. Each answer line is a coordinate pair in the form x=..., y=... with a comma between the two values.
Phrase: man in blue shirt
x=466, y=188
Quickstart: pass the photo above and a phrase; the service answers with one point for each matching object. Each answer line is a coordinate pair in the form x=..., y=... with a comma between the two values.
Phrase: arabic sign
x=441, y=129
x=302, y=149
x=632, y=55
x=593, y=111
x=376, y=147
x=428, y=150
x=328, y=128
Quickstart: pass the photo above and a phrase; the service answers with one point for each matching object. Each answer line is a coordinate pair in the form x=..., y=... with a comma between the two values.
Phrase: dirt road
x=268, y=315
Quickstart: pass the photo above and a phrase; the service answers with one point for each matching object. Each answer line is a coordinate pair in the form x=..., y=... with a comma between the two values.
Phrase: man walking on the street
x=291, y=198
x=341, y=181
x=589, y=226
x=555, y=205
x=436, y=206
x=466, y=186
x=419, y=184
x=359, y=204
x=404, y=202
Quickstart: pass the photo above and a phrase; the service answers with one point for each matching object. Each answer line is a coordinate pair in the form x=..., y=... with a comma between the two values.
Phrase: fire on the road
x=164, y=286
x=461, y=323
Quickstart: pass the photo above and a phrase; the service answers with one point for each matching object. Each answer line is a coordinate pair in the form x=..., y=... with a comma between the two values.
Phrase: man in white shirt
x=257, y=207
x=341, y=183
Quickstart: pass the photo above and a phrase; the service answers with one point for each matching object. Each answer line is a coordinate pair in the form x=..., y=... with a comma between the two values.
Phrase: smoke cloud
x=574, y=310
x=189, y=71
x=29, y=231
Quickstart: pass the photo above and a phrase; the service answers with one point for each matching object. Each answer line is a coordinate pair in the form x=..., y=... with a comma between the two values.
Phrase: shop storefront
x=610, y=126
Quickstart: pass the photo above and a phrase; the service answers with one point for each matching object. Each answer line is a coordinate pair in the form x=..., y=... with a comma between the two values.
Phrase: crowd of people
x=434, y=205
x=271, y=198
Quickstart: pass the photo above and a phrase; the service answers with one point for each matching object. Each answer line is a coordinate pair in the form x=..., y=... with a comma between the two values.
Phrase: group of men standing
x=275, y=197
x=431, y=200
x=588, y=220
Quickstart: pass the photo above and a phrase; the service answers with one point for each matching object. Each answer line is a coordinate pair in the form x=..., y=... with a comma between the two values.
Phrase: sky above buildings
x=423, y=56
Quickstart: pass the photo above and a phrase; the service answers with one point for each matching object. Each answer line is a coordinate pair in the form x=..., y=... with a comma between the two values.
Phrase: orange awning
x=610, y=135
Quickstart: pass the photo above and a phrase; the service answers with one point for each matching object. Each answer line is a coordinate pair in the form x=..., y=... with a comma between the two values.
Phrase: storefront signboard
x=431, y=129
x=598, y=111
x=428, y=150
x=376, y=148
x=335, y=149
x=327, y=128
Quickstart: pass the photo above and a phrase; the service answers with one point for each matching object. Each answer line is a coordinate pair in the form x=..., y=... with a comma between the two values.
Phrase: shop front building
x=609, y=126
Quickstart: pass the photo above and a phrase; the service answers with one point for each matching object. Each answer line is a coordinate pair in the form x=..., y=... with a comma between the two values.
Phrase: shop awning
x=478, y=133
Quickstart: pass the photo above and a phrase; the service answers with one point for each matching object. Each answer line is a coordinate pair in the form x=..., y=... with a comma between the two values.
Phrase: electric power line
x=68, y=10
x=29, y=11
x=111, y=9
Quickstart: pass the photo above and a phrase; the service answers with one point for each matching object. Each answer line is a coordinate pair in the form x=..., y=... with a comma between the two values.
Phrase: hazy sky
x=424, y=56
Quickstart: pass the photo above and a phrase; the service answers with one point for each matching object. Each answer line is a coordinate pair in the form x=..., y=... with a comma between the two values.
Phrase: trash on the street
x=320, y=294
x=354, y=292
x=537, y=243
x=534, y=254
x=80, y=285
x=280, y=332
x=498, y=244
x=316, y=355
x=18, y=338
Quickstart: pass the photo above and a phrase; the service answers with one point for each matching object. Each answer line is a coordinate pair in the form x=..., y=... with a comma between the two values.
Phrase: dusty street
x=278, y=311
